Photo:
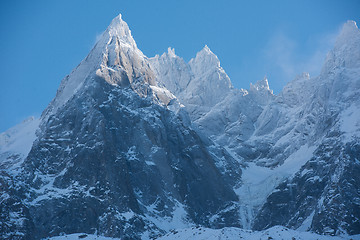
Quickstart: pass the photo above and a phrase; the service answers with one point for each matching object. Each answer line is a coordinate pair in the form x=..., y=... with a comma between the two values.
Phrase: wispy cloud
x=98, y=36
x=285, y=56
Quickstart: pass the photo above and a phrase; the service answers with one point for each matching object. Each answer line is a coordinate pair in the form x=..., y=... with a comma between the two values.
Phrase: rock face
x=111, y=158
x=199, y=85
x=116, y=160
x=285, y=134
x=323, y=196
x=133, y=147
x=324, y=193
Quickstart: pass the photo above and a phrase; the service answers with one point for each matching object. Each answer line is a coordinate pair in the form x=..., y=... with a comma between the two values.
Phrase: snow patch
x=201, y=233
x=275, y=233
x=350, y=123
x=259, y=182
x=307, y=222
x=16, y=143
x=19, y=139
x=77, y=236
x=178, y=220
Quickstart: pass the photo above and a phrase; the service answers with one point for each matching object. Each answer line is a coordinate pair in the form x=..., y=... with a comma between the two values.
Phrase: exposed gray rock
x=133, y=147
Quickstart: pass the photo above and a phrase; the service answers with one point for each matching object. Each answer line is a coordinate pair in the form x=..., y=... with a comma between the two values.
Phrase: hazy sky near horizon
x=42, y=41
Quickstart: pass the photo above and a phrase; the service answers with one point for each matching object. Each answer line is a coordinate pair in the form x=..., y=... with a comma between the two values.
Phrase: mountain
x=199, y=85
x=134, y=147
x=324, y=193
x=300, y=147
x=111, y=158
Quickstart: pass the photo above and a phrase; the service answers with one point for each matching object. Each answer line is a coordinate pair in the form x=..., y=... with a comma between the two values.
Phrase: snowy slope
x=136, y=147
x=275, y=233
x=259, y=182
x=15, y=143
x=77, y=236
x=201, y=233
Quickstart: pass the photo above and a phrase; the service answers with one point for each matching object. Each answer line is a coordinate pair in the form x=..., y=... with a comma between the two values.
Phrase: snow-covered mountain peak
x=115, y=58
x=205, y=58
x=119, y=28
x=209, y=84
x=261, y=92
x=298, y=91
x=171, y=52
x=261, y=85
x=155, y=144
x=348, y=32
x=346, y=52
x=206, y=49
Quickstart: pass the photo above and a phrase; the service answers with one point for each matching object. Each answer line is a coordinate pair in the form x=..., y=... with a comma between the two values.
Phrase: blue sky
x=42, y=41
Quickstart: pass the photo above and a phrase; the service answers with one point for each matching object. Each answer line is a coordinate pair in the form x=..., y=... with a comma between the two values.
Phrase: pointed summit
x=350, y=25
x=119, y=28
x=171, y=52
x=348, y=33
x=205, y=58
x=346, y=52
x=115, y=52
x=206, y=52
x=206, y=49
x=261, y=85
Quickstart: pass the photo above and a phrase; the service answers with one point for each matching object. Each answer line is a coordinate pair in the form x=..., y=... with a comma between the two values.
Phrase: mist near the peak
x=284, y=57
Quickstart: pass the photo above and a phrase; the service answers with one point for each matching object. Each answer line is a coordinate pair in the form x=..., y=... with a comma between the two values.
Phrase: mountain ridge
x=181, y=146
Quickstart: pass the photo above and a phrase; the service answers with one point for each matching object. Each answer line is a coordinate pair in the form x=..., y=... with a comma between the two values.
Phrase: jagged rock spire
x=346, y=52
x=118, y=27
